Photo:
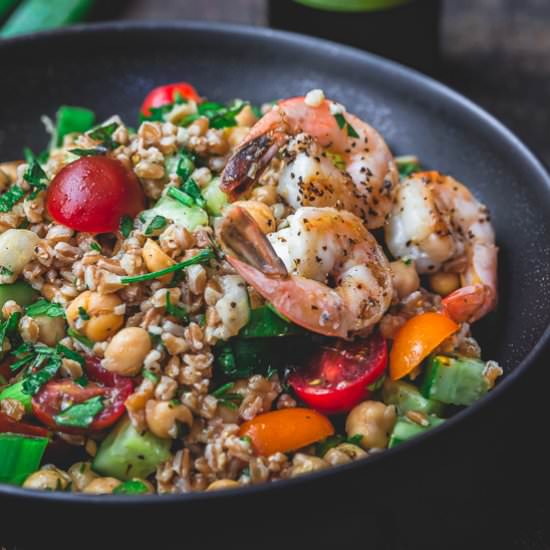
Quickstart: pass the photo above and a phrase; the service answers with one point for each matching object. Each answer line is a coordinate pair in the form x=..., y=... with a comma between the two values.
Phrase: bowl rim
x=375, y=62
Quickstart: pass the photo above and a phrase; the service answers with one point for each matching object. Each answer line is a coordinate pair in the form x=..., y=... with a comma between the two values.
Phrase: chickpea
x=50, y=329
x=246, y=117
x=102, y=486
x=222, y=484
x=444, y=283
x=155, y=259
x=49, y=478
x=405, y=278
x=373, y=420
x=344, y=453
x=127, y=350
x=162, y=417
x=103, y=322
x=81, y=475
x=261, y=213
x=304, y=464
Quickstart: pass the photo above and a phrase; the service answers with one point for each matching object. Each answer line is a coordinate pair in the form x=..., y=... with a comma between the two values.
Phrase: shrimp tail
x=305, y=302
x=247, y=164
x=241, y=236
x=470, y=303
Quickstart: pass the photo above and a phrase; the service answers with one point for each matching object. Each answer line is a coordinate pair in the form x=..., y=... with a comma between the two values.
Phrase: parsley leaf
x=5, y=271
x=96, y=151
x=126, y=226
x=193, y=190
x=131, y=487
x=150, y=375
x=344, y=124
x=43, y=307
x=9, y=326
x=157, y=223
x=407, y=165
x=10, y=197
x=86, y=342
x=33, y=382
x=95, y=246
x=176, y=311
x=83, y=314
x=104, y=135
x=70, y=354
x=80, y=415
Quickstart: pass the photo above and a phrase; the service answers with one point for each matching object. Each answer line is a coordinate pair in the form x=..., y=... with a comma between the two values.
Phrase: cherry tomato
x=92, y=194
x=336, y=379
x=416, y=339
x=54, y=395
x=286, y=430
x=163, y=95
x=8, y=425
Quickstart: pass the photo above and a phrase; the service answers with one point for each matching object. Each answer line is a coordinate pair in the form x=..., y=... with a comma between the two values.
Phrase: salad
x=229, y=295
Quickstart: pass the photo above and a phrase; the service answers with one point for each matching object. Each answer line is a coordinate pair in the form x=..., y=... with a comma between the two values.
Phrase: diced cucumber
x=265, y=323
x=406, y=429
x=20, y=292
x=189, y=217
x=406, y=397
x=455, y=380
x=20, y=456
x=215, y=198
x=126, y=454
x=15, y=391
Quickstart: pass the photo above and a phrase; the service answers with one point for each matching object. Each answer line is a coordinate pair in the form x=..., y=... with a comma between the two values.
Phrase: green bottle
x=404, y=30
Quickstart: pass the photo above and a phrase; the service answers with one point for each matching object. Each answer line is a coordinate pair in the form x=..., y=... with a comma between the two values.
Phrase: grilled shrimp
x=332, y=158
x=325, y=271
x=437, y=222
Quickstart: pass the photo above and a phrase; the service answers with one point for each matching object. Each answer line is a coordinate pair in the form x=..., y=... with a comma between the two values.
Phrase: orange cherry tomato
x=416, y=339
x=286, y=430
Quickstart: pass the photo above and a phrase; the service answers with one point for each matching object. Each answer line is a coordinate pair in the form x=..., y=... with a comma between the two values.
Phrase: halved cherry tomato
x=336, y=378
x=92, y=194
x=163, y=95
x=416, y=339
x=286, y=430
x=56, y=394
x=8, y=425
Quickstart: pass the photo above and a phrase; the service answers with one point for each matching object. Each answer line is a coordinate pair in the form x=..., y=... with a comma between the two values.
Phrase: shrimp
x=295, y=267
x=332, y=158
x=437, y=222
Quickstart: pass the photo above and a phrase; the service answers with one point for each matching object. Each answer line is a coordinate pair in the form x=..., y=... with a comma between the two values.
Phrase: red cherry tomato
x=163, y=95
x=114, y=388
x=336, y=378
x=8, y=425
x=92, y=194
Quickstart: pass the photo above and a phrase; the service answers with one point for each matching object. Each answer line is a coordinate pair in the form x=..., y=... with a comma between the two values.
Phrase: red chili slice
x=337, y=378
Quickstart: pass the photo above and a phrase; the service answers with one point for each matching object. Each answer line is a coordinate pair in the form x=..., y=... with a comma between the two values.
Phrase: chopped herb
x=104, y=135
x=86, y=342
x=221, y=116
x=176, y=311
x=355, y=439
x=10, y=197
x=406, y=261
x=33, y=382
x=407, y=165
x=246, y=439
x=193, y=190
x=70, y=354
x=131, y=487
x=126, y=226
x=344, y=124
x=150, y=375
x=82, y=380
x=83, y=314
x=155, y=339
x=43, y=307
x=271, y=372
x=6, y=272
x=180, y=196
x=324, y=446
x=158, y=222
x=96, y=151
x=223, y=389
x=34, y=175
x=9, y=326
x=186, y=165
x=201, y=320
x=80, y=415
x=203, y=256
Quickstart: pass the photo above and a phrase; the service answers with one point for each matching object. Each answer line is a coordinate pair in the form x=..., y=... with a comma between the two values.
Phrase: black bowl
x=412, y=493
